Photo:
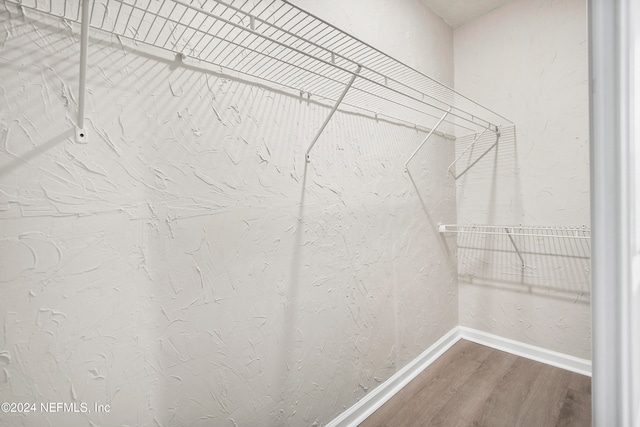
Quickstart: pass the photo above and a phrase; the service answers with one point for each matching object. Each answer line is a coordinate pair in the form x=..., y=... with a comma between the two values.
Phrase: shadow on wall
x=23, y=159
x=469, y=154
x=434, y=187
x=479, y=142
x=487, y=175
x=433, y=224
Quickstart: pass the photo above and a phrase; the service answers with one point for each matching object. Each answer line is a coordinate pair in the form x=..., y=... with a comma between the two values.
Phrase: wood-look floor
x=474, y=385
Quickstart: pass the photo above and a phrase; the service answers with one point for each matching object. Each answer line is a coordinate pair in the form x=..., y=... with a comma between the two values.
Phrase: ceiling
x=459, y=12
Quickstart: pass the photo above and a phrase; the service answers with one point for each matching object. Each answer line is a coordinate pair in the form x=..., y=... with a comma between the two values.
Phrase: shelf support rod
x=81, y=135
x=478, y=136
x=515, y=247
x=333, y=110
x=424, y=141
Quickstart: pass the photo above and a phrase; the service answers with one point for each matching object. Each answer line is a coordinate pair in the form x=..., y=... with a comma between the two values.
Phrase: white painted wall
x=528, y=60
x=182, y=266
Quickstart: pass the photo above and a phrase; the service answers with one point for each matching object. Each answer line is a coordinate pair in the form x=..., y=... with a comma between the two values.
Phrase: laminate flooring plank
x=576, y=410
x=462, y=408
x=581, y=383
x=474, y=385
x=512, y=390
x=433, y=385
x=544, y=402
x=444, y=386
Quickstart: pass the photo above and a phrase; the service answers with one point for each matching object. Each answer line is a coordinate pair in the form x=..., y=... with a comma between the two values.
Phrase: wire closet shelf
x=279, y=43
x=557, y=232
x=532, y=254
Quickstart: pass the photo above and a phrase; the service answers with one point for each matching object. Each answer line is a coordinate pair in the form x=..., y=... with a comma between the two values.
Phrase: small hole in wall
x=82, y=135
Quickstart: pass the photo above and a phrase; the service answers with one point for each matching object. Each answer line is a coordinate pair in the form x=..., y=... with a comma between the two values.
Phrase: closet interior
x=237, y=212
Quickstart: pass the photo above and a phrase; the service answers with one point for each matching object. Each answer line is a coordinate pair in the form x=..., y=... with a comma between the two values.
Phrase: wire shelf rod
x=333, y=110
x=269, y=81
x=424, y=141
x=178, y=23
x=250, y=71
x=475, y=139
x=363, y=92
x=407, y=66
x=513, y=242
x=520, y=226
x=279, y=43
x=84, y=44
x=154, y=43
x=277, y=82
x=554, y=236
x=322, y=60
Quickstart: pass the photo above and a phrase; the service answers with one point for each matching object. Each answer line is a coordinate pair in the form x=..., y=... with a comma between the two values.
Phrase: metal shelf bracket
x=81, y=134
x=333, y=110
x=478, y=136
x=424, y=141
x=515, y=247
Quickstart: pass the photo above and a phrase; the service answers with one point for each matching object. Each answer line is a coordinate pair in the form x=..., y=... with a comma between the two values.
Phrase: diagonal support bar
x=466, y=149
x=81, y=135
x=333, y=110
x=515, y=247
x=424, y=141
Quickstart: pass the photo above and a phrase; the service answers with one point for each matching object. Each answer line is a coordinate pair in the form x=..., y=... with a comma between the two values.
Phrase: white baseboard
x=385, y=391
x=539, y=354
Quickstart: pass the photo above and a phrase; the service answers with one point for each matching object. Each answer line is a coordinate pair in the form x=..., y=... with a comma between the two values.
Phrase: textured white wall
x=528, y=61
x=183, y=266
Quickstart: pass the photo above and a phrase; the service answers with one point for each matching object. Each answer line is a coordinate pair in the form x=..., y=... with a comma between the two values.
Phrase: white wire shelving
x=557, y=232
x=525, y=254
x=279, y=43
